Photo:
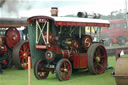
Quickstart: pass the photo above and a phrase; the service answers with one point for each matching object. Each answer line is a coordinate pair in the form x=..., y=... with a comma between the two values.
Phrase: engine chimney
x=54, y=11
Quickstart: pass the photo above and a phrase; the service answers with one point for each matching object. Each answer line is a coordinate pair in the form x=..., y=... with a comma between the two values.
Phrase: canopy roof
x=74, y=21
x=12, y=22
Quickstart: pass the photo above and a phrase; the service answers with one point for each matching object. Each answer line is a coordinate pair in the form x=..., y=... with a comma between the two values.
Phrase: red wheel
x=63, y=69
x=97, y=59
x=12, y=37
x=39, y=71
x=20, y=55
x=86, y=42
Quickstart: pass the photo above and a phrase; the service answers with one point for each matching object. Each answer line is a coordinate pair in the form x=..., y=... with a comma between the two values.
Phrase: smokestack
x=54, y=11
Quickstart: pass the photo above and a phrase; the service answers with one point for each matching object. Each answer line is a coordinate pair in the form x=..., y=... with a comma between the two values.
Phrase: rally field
x=20, y=77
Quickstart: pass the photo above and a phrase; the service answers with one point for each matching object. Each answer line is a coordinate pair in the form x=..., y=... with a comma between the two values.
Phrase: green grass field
x=20, y=77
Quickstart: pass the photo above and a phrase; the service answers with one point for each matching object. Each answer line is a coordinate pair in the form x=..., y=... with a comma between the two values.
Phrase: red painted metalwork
x=21, y=52
x=76, y=61
x=5, y=62
x=83, y=60
x=65, y=65
x=63, y=69
x=2, y=39
x=24, y=53
x=66, y=23
x=80, y=60
x=97, y=62
x=29, y=20
x=41, y=47
x=3, y=51
x=3, y=47
x=73, y=47
x=12, y=37
x=54, y=48
x=102, y=57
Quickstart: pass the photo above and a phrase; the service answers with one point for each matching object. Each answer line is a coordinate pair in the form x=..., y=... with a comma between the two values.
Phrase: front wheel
x=40, y=71
x=63, y=69
x=97, y=59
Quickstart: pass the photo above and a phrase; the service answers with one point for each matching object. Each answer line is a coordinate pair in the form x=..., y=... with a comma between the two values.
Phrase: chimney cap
x=54, y=8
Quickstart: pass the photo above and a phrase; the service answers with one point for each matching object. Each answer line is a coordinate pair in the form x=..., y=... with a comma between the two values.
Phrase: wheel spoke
x=22, y=61
x=62, y=69
x=100, y=65
x=99, y=58
x=62, y=74
x=39, y=70
x=64, y=65
x=102, y=60
x=21, y=56
x=24, y=47
x=98, y=52
x=26, y=60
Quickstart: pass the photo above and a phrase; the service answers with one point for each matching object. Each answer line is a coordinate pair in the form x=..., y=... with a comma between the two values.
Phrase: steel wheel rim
x=100, y=59
x=41, y=72
x=23, y=55
x=17, y=55
x=65, y=70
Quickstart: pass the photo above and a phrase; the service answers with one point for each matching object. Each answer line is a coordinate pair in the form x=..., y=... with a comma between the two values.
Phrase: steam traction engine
x=3, y=50
x=13, y=49
x=60, y=44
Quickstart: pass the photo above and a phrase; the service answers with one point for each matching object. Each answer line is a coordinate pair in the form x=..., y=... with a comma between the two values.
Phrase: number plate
x=42, y=20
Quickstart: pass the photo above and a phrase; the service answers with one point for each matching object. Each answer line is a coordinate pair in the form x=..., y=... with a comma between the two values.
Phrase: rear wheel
x=63, y=69
x=21, y=52
x=97, y=59
x=40, y=71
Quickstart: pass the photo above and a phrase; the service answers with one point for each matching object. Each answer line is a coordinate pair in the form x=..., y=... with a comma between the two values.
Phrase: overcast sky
x=26, y=8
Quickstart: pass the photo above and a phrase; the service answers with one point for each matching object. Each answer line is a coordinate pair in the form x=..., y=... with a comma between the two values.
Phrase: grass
x=20, y=77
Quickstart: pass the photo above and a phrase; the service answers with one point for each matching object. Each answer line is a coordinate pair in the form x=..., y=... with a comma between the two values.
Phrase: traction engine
x=59, y=45
x=13, y=50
